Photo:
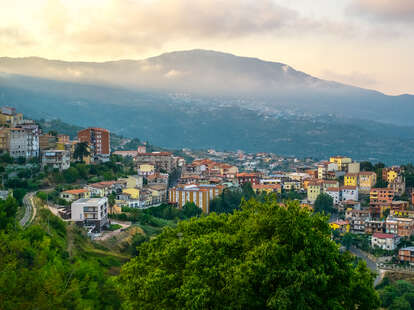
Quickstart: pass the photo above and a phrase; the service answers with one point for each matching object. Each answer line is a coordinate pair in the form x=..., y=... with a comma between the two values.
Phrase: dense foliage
x=37, y=271
x=323, y=203
x=397, y=296
x=262, y=257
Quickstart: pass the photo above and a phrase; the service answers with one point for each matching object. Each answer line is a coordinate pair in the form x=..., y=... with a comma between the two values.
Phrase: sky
x=366, y=43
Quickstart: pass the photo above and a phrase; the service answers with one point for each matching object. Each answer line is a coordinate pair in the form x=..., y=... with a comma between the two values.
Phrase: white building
x=23, y=143
x=383, y=241
x=91, y=212
x=335, y=193
x=349, y=193
x=56, y=159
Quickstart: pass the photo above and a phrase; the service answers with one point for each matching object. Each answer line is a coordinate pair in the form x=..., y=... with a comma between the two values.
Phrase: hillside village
x=371, y=203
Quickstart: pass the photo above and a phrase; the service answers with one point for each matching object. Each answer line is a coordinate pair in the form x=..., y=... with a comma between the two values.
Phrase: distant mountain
x=203, y=99
x=250, y=83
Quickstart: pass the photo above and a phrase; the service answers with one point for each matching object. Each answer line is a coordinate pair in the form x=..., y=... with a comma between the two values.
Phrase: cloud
x=352, y=78
x=387, y=10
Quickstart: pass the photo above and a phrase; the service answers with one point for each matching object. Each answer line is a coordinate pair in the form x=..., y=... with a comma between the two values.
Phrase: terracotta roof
x=349, y=187
x=332, y=189
x=155, y=154
x=351, y=175
x=367, y=173
x=76, y=191
x=266, y=186
x=383, y=236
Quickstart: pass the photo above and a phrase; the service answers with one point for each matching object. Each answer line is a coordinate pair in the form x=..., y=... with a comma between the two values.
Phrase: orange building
x=201, y=195
x=381, y=195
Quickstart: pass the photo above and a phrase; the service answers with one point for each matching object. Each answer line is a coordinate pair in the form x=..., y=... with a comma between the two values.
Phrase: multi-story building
x=146, y=169
x=4, y=139
x=9, y=117
x=335, y=193
x=349, y=193
x=47, y=142
x=381, y=195
x=24, y=142
x=245, y=177
x=367, y=180
x=162, y=161
x=98, y=140
x=351, y=179
x=391, y=173
x=354, y=167
x=91, y=212
x=357, y=219
x=105, y=188
x=403, y=227
x=267, y=188
x=341, y=161
x=201, y=195
x=56, y=159
x=374, y=226
x=314, y=190
x=397, y=185
x=385, y=241
x=406, y=254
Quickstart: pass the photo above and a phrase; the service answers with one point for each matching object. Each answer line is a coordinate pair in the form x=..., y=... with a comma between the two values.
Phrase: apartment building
x=245, y=177
x=351, y=179
x=47, y=142
x=383, y=241
x=341, y=161
x=4, y=139
x=357, y=219
x=406, y=254
x=91, y=212
x=200, y=194
x=381, y=195
x=98, y=140
x=9, y=117
x=349, y=193
x=24, y=142
x=367, y=180
x=162, y=161
x=56, y=159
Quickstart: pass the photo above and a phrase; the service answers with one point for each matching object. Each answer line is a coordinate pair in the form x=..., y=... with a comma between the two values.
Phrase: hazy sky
x=368, y=43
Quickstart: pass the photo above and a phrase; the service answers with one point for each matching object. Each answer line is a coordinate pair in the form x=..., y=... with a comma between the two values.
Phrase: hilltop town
x=370, y=205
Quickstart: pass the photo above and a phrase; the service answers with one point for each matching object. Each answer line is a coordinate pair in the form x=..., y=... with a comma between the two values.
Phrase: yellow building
x=341, y=161
x=146, y=169
x=267, y=188
x=314, y=190
x=342, y=226
x=391, y=176
x=367, y=180
x=10, y=120
x=200, y=194
x=351, y=179
x=4, y=139
x=132, y=192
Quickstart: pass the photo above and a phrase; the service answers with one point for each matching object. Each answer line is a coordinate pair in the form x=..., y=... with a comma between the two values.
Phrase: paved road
x=370, y=263
x=29, y=206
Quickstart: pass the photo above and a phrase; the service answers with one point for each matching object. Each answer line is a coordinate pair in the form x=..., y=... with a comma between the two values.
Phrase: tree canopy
x=323, y=203
x=263, y=257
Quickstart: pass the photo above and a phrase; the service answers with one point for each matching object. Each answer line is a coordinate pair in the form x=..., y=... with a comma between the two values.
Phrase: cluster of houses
x=23, y=138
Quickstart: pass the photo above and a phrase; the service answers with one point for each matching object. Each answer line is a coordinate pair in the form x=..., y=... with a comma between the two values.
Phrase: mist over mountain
x=203, y=99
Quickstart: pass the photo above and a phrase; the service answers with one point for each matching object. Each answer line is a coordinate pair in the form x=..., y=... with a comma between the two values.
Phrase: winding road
x=29, y=207
x=370, y=264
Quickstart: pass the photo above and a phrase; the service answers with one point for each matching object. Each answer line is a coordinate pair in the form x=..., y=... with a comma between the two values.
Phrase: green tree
x=262, y=257
x=81, y=151
x=190, y=209
x=347, y=240
x=366, y=166
x=400, y=303
x=323, y=203
x=8, y=209
x=70, y=175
